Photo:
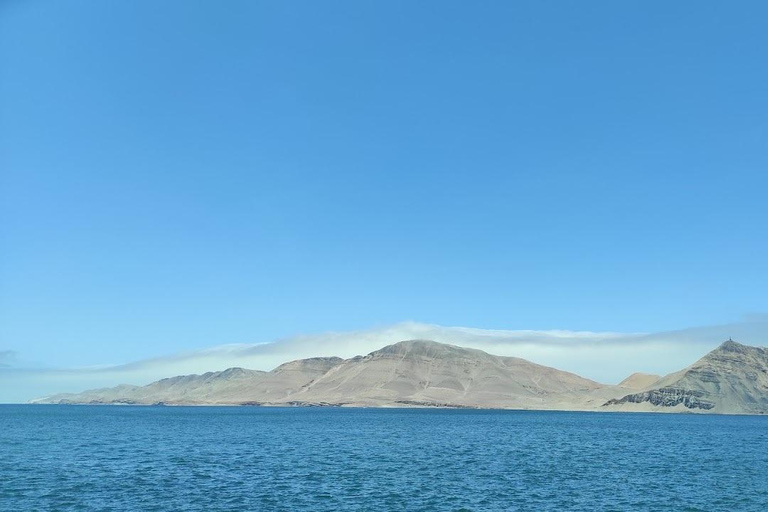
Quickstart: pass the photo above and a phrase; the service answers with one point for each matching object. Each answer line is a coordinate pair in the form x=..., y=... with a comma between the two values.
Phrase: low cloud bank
x=602, y=356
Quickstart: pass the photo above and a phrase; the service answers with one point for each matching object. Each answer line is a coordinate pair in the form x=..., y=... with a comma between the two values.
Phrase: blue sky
x=178, y=174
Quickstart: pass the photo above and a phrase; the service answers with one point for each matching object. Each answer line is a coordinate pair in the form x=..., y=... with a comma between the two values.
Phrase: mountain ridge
x=733, y=378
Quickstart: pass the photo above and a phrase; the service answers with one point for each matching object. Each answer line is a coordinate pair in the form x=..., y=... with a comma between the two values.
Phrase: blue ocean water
x=110, y=458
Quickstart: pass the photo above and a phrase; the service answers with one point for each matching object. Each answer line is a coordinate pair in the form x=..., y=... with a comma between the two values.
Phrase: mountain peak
x=424, y=348
x=310, y=364
x=236, y=372
x=734, y=349
x=731, y=346
x=639, y=380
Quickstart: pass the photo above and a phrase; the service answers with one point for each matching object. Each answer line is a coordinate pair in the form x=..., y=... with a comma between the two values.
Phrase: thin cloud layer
x=602, y=356
x=7, y=357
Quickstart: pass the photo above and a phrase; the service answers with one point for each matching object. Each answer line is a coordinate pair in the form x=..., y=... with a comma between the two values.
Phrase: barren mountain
x=732, y=379
x=409, y=373
x=422, y=372
x=639, y=381
x=231, y=386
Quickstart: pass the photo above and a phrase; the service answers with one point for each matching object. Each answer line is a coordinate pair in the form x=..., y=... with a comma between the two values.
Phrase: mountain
x=409, y=373
x=639, y=381
x=231, y=386
x=732, y=379
x=420, y=372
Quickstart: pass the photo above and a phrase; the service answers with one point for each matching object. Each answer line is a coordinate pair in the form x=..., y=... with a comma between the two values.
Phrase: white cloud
x=602, y=356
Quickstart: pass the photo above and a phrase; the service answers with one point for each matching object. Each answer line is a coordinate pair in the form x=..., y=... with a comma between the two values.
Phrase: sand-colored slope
x=231, y=386
x=421, y=372
x=409, y=373
x=639, y=381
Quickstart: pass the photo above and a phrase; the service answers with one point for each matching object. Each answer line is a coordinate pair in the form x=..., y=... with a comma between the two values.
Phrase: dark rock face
x=421, y=403
x=668, y=397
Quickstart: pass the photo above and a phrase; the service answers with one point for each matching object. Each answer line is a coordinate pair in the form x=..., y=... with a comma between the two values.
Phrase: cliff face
x=668, y=397
x=733, y=378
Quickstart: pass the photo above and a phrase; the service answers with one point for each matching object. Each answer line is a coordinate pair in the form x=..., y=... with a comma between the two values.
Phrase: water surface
x=121, y=458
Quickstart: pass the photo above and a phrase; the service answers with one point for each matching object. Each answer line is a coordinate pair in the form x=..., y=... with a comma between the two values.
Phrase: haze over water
x=225, y=458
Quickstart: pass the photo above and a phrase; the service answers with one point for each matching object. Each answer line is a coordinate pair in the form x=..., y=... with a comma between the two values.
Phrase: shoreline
x=389, y=407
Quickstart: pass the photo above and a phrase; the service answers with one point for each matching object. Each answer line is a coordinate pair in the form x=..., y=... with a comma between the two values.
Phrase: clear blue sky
x=180, y=174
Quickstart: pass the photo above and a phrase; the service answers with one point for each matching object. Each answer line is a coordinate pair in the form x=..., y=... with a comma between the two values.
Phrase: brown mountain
x=409, y=373
x=731, y=379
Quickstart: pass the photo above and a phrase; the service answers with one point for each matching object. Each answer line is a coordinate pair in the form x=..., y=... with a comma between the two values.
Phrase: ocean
x=126, y=458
